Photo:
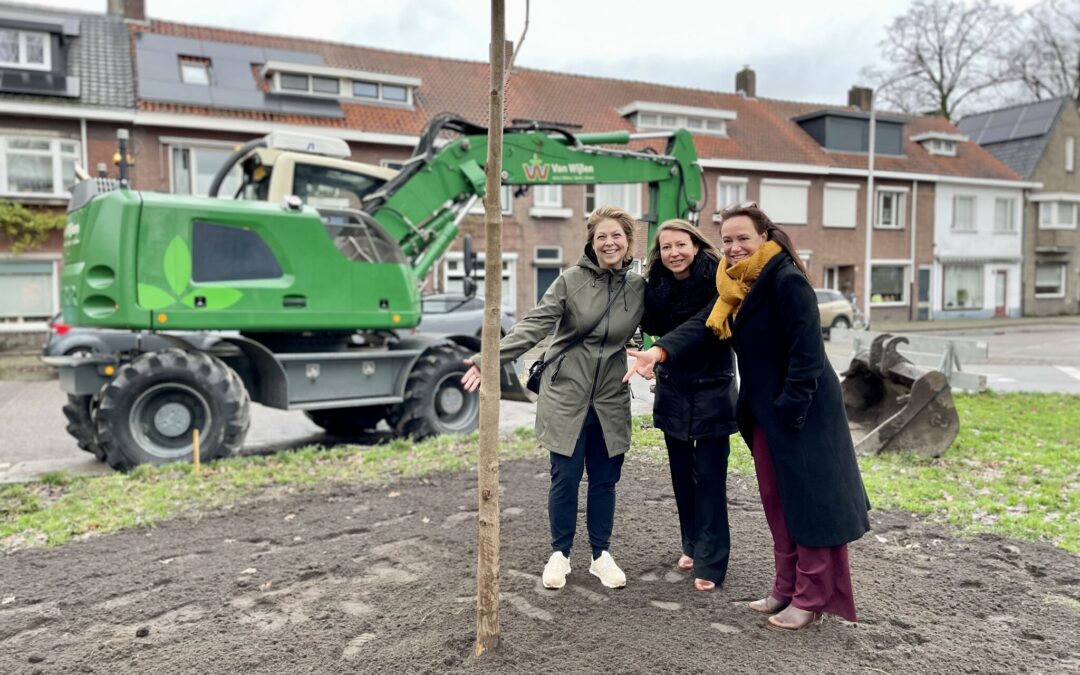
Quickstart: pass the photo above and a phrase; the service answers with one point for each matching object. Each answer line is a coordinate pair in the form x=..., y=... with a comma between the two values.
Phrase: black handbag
x=536, y=370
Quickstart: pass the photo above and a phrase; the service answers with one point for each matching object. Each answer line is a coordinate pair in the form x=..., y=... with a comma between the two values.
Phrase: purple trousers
x=812, y=579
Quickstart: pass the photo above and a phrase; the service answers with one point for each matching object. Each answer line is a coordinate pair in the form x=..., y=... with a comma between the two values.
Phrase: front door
x=1000, y=285
x=923, y=307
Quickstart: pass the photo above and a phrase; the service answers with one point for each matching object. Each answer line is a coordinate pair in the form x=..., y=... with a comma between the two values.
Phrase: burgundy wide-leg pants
x=812, y=579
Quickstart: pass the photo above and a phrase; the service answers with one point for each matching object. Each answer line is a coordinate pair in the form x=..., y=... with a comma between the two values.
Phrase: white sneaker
x=555, y=570
x=609, y=573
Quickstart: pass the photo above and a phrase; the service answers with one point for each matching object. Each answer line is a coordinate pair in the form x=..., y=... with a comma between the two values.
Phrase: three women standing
x=695, y=400
x=583, y=413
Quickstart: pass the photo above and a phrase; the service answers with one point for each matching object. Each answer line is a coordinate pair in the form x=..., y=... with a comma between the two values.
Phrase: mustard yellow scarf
x=733, y=282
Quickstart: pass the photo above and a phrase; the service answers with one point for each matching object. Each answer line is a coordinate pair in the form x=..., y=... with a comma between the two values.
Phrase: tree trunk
x=487, y=550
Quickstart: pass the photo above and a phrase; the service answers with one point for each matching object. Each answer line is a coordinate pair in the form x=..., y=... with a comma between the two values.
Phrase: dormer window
x=339, y=83
x=648, y=116
x=24, y=49
x=940, y=143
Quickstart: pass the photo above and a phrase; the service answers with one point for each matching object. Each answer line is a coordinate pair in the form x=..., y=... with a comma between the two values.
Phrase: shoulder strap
x=581, y=337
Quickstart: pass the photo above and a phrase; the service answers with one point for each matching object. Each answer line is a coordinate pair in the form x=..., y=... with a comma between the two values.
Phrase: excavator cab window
x=323, y=186
x=359, y=237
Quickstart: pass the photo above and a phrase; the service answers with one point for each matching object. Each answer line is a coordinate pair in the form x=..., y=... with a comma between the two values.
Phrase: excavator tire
x=148, y=412
x=78, y=411
x=347, y=422
x=435, y=402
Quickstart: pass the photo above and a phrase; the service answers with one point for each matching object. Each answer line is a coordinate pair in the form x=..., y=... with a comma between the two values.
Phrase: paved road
x=33, y=440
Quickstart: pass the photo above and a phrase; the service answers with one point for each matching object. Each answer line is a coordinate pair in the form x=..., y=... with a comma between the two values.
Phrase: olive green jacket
x=591, y=372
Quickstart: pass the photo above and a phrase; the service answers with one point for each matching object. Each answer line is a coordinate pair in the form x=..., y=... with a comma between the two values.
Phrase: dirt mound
x=381, y=579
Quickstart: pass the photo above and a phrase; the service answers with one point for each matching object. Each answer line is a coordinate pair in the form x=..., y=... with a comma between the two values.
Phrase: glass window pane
x=714, y=125
x=181, y=171
x=1066, y=213
x=646, y=119
x=887, y=283
x=963, y=286
x=35, y=48
x=694, y=123
x=1049, y=279
x=331, y=188
x=28, y=144
x=365, y=89
x=29, y=173
x=668, y=121
x=392, y=92
x=207, y=162
x=294, y=82
x=194, y=72
x=9, y=46
x=548, y=195
x=67, y=173
x=25, y=293
x=326, y=85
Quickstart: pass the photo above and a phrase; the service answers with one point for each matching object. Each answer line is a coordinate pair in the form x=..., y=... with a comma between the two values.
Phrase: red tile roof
x=763, y=130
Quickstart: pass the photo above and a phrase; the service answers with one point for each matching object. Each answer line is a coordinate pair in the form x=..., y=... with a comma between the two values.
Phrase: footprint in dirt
x=355, y=648
x=539, y=589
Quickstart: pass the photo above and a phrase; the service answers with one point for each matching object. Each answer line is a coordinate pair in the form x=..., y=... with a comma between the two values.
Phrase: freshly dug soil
x=381, y=579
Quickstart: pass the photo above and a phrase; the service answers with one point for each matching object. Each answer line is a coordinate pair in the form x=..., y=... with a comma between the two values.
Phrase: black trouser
x=699, y=477
x=590, y=454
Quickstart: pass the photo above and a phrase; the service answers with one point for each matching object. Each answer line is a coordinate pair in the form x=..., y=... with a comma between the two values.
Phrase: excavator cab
x=894, y=405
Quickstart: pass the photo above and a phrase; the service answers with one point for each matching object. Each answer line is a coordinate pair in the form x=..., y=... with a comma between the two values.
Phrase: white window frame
x=632, y=195
x=905, y=294
x=945, y=281
x=1010, y=211
x=548, y=202
x=848, y=191
x=192, y=146
x=899, y=212
x=723, y=184
x=1063, y=270
x=1070, y=154
x=506, y=198
x=21, y=62
x=1052, y=208
x=17, y=321
x=453, y=272
x=651, y=121
x=54, y=151
x=974, y=226
x=776, y=213
x=186, y=62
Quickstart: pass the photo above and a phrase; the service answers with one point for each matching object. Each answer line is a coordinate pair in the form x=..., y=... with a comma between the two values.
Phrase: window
x=365, y=89
x=623, y=195
x=963, y=219
x=1050, y=280
x=941, y=147
x=194, y=168
x=547, y=195
x=648, y=116
x=326, y=85
x=25, y=49
x=730, y=191
x=890, y=210
x=1057, y=216
x=841, y=205
x=785, y=200
x=195, y=70
x=224, y=253
x=1004, y=215
x=291, y=82
x=888, y=284
x=37, y=166
x=393, y=92
x=506, y=198
x=26, y=289
x=1070, y=154
x=548, y=263
x=455, y=272
x=963, y=286
x=327, y=187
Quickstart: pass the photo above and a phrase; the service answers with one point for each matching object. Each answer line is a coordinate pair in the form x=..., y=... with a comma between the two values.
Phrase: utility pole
x=487, y=549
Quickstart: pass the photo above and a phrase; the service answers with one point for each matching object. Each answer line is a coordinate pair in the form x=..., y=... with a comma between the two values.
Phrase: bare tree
x=944, y=55
x=1045, y=58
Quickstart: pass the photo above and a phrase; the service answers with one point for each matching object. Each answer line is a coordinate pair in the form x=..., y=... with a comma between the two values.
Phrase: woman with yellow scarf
x=790, y=412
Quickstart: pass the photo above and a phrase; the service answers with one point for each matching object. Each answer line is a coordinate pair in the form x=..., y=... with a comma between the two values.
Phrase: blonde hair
x=620, y=216
x=679, y=225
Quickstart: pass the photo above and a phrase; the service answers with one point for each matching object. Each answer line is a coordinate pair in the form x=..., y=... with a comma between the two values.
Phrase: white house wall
x=995, y=251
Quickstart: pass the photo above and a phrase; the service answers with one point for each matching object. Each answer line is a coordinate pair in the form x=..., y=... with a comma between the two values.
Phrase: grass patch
x=1013, y=470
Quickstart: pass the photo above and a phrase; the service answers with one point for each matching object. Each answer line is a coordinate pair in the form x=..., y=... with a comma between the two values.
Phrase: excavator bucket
x=892, y=404
x=511, y=383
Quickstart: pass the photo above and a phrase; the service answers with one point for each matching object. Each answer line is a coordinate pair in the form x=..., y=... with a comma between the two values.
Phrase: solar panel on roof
x=1011, y=124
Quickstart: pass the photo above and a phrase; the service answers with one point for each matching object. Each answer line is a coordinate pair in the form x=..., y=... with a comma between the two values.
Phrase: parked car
x=837, y=311
x=455, y=313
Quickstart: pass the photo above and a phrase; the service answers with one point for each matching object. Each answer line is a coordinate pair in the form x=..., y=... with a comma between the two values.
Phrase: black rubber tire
x=840, y=322
x=173, y=383
x=80, y=416
x=435, y=402
x=347, y=422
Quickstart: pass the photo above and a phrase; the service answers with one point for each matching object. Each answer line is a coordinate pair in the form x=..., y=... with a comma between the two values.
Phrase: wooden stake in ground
x=487, y=550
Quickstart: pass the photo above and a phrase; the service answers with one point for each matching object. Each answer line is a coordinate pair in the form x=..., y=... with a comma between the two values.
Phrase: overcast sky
x=805, y=51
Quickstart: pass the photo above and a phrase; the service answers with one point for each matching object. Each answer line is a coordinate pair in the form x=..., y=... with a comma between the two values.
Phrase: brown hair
x=678, y=225
x=620, y=216
x=763, y=225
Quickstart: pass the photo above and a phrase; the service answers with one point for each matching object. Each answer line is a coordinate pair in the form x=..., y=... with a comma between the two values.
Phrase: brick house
x=1038, y=140
x=201, y=90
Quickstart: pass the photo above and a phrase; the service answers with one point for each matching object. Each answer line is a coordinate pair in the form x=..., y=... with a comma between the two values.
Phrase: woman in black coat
x=791, y=414
x=695, y=403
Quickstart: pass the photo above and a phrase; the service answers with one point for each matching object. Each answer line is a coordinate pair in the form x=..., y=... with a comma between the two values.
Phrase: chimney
x=860, y=97
x=746, y=82
x=133, y=10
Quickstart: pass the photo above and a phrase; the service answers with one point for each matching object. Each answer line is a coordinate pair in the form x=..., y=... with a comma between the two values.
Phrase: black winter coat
x=788, y=388
x=696, y=399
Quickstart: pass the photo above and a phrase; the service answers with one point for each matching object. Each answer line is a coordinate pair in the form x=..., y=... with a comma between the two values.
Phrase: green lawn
x=1014, y=470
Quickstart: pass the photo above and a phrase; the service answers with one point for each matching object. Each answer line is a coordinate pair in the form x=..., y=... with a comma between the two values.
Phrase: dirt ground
x=380, y=579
